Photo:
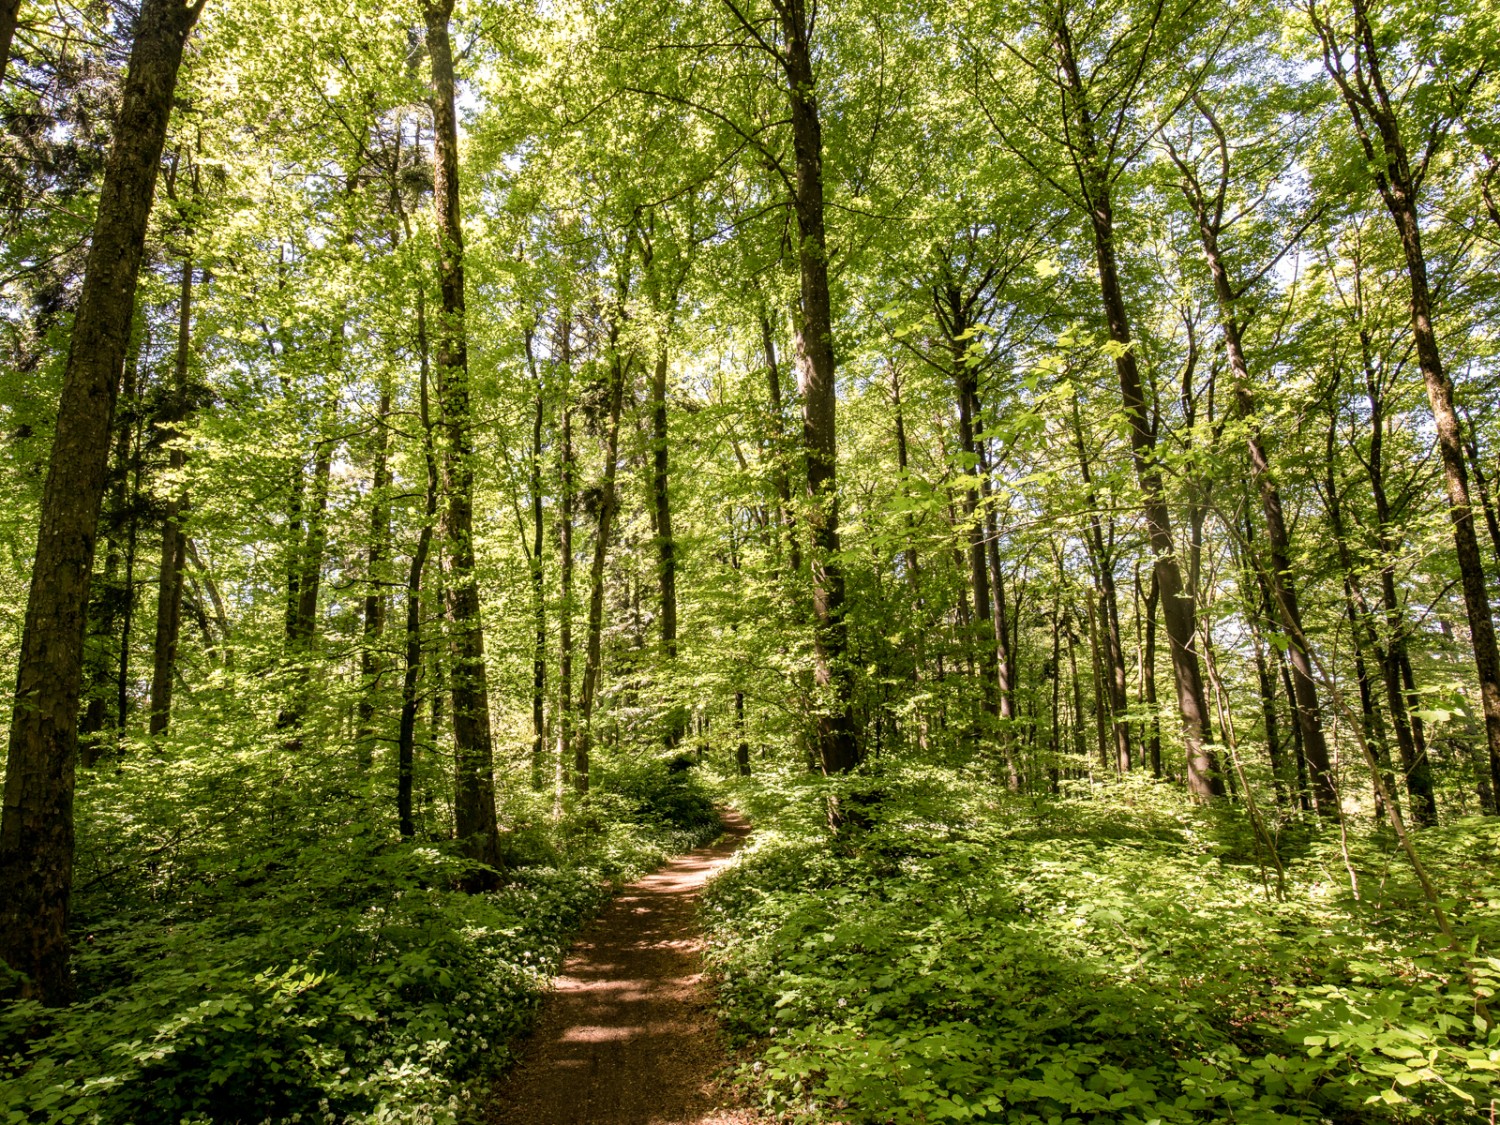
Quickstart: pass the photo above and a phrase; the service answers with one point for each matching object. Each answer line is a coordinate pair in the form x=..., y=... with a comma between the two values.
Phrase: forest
x=1032, y=466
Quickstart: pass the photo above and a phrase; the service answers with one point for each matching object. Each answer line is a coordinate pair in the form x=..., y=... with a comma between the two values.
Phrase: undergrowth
x=1115, y=957
x=300, y=963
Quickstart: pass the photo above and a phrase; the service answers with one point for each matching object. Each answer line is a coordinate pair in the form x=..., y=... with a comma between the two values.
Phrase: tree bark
x=407, y=726
x=565, y=568
x=1101, y=552
x=538, y=599
x=115, y=592
x=837, y=748
x=1178, y=610
x=371, y=661
x=1386, y=154
x=173, y=539
x=1209, y=212
x=10, y=10
x=607, y=503
x=1152, y=735
x=473, y=751
x=36, y=831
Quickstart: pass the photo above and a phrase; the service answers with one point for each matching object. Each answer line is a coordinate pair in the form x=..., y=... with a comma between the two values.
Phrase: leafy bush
x=1082, y=962
x=303, y=964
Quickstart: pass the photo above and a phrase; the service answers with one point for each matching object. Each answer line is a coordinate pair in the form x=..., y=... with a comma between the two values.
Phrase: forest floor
x=629, y=1036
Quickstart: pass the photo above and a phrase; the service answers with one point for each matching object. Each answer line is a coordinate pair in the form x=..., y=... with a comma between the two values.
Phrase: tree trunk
x=304, y=586
x=407, y=728
x=780, y=477
x=1284, y=590
x=837, y=748
x=1387, y=158
x=1101, y=552
x=742, y=747
x=115, y=594
x=173, y=540
x=666, y=545
x=36, y=832
x=607, y=504
x=9, y=11
x=473, y=753
x=1178, y=610
x=371, y=662
x=1362, y=617
x=538, y=586
x=1152, y=734
x=983, y=635
x=565, y=570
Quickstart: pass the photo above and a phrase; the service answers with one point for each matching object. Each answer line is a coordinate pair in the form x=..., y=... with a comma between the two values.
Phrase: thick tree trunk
x=173, y=540
x=36, y=832
x=1178, y=610
x=473, y=752
x=837, y=748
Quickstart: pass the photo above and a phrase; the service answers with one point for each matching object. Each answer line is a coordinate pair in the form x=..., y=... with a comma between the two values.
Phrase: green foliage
x=320, y=971
x=1107, y=959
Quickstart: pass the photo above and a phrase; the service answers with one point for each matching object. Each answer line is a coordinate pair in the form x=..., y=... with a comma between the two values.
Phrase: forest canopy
x=1040, y=461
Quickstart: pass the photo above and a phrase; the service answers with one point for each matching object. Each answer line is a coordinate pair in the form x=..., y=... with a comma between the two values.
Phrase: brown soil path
x=628, y=1038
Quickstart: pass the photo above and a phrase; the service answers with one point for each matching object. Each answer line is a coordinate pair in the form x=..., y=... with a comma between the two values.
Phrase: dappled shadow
x=627, y=1038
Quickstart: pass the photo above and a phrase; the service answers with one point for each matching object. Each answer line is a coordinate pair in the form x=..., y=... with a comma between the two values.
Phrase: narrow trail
x=628, y=1037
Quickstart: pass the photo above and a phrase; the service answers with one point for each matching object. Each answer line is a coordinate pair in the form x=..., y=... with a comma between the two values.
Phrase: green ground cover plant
x=1111, y=957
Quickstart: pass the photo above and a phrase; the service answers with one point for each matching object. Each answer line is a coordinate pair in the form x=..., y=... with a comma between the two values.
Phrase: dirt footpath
x=628, y=1037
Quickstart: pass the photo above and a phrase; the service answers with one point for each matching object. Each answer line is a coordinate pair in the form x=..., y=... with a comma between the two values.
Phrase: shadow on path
x=628, y=1038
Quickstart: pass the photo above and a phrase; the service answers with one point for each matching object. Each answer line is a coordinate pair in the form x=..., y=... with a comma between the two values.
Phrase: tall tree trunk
x=780, y=477
x=371, y=662
x=565, y=569
x=1361, y=614
x=1152, y=734
x=1387, y=158
x=1209, y=210
x=1481, y=485
x=304, y=586
x=742, y=747
x=837, y=748
x=173, y=539
x=1101, y=552
x=36, y=830
x=538, y=581
x=407, y=727
x=473, y=751
x=607, y=504
x=1178, y=610
x=115, y=594
x=983, y=636
x=666, y=545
